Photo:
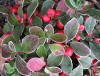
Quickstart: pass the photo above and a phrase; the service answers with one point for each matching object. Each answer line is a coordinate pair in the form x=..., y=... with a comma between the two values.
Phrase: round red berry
x=50, y=12
x=14, y=10
x=18, y=18
x=81, y=27
x=30, y=20
x=63, y=74
x=68, y=51
x=24, y=16
x=59, y=25
x=46, y=19
x=77, y=37
x=86, y=17
x=96, y=40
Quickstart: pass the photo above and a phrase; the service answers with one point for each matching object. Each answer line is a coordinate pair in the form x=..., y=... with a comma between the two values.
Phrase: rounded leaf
x=20, y=65
x=49, y=30
x=54, y=69
x=30, y=43
x=6, y=51
x=85, y=62
x=54, y=60
x=35, y=64
x=80, y=48
x=58, y=37
x=57, y=49
x=71, y=28
x=78, y=71
x=35, y=30
x=66, y=65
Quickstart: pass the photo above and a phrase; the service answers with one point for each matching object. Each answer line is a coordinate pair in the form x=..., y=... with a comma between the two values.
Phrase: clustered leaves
x=50, y=38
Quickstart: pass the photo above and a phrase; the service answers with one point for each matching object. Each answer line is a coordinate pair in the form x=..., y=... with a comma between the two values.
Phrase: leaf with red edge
x=6, y=51
x=35, y=30
x=71, y=29
x=30, y=43
x=20, y=65
x=57, y=49
x=80, y=48
x=49, y=30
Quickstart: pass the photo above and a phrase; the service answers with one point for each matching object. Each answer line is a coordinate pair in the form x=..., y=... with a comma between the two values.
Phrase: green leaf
x=41, y=51
x=71, y=29
x=66, y=65
x=30, y=43
x=20, y=65
x=4, y=10
x=42, y=41
x=8, y=68
x=54, y=60
x=20, y=11
x=8, y=28
x=35, y=30
x=80, y=48
x=12, y=19
x=92, y=12
x=54, y=69
x=6, y=51
x=46, y=5
x=58, y=37
x=56, y=49
x=69, y=3
x=37, y=21
x=18, y=30
x=9, y=38
x=32, y=7
x=49, y=30
x=78, y=71
x=81, y=20
x=63, y=18
x=90, y=24
x=37, y=74
x=85, y=62
x=95, y=48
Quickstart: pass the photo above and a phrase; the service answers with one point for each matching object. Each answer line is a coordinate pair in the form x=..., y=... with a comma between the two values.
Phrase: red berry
x=68, y=51
x=89, y=35
x=24, y=16
x=59, y=25
x=83, y=10
x=60, y=31
x=30, y=20
x=50, y=12
x=81, y=27
x=86, y=17
x=46, y=19
x=77, y=37
x=14, y=10
x=57, y=13
x=18, y=18
x=9, y=59
x=63, y=74
x=96, y=40
x=94, y=61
